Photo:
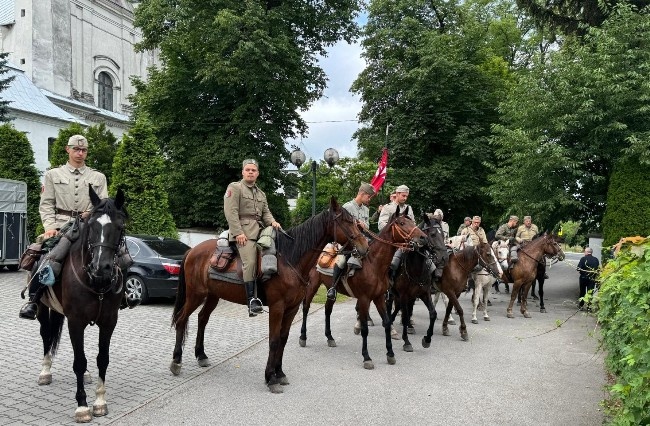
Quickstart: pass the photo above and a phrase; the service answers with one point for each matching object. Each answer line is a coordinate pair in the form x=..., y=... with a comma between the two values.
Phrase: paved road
x=511, y=371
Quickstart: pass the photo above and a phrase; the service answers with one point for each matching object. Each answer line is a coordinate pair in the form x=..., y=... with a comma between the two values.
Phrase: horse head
x=346, y=230
x=488, y=260
x=105, y=234
x=404, y=230
x=552, y=247
x=501, y=249
x=435, y=239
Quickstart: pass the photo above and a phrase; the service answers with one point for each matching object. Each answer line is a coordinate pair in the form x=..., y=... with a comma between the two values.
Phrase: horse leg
x=204, y=316
x=453, y=299
x=276, y=314
x=426, y=299
x=445, y=300
x=542, y=309
x=475, y=299
x=380, y=304
x=191, y=303
x=100, y=408
x=406, y=305
x=409, y=326
x=310, y=292
x=50, y=330
x=524, y=299
x=329, y=307
x=287, y=319
x=486, y=296
x=363, y=306
x=76, y=330
x=532, y=291
x=513, y=296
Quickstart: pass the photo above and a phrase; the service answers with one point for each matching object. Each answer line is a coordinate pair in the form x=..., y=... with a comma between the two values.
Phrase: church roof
x=83, y=106
x=25, y=96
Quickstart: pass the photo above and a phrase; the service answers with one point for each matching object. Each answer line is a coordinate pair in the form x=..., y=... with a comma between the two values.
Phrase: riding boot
x=254, y=304
x=29, y=310
x=336, y=276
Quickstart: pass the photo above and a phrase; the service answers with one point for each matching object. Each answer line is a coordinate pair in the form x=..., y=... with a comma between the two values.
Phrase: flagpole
x=388, y=126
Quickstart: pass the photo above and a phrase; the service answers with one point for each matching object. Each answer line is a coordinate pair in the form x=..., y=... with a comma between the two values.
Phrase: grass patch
x=321, y=296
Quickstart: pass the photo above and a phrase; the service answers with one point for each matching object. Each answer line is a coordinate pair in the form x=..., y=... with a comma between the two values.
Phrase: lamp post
x=298, y=158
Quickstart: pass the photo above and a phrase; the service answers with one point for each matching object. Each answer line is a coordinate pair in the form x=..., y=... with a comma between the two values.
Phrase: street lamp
x=298, y=158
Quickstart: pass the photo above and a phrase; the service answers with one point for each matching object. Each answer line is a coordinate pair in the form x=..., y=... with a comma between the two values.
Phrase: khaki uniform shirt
x=359, y=212
x=505, y=232
x=388, y=210
x=460, y=228
x=246, y=210
x=477, y=236
x=527, y=234
x=66, y=188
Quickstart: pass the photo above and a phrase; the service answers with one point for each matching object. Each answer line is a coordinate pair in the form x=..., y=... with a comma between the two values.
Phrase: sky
x=333, y=119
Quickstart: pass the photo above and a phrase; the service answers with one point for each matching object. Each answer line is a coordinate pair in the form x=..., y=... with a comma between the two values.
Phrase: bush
x=17, y=163
x=624, y=313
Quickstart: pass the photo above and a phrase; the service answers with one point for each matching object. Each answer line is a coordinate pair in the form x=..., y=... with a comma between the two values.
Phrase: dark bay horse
x=89, y=291
x=283, y=292
x=454, y=279
x=415, y=280
x=525, y=271
x=368, y=284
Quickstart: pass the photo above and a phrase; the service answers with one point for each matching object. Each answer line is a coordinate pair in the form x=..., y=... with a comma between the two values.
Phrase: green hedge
x=624, y=313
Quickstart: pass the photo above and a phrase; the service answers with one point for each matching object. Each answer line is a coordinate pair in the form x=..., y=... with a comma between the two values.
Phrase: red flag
x=380, y=175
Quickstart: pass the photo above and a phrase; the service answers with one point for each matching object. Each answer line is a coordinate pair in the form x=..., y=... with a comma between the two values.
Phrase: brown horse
x=297, y=253
x=368, y=284
x=88, y=292
x=525, y=271
x=454, y=279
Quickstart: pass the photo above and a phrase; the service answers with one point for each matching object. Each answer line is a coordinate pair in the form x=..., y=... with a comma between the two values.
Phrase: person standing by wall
x=588, y=269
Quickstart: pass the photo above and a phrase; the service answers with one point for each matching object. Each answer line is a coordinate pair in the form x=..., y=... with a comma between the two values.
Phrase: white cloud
x=333, y=119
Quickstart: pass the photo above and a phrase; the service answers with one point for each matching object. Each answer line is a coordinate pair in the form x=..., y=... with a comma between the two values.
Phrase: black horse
x=88, y=292
x=415, y=279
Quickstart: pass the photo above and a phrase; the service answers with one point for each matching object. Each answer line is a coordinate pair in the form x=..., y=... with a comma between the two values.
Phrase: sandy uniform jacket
x=359, y=212
x=246, y=210
x=477, y=236
x=65, y=190
x=388, y=211
x=527, y=234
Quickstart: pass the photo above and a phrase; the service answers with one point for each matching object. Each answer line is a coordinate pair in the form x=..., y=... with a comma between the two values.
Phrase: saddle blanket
x=230, y=277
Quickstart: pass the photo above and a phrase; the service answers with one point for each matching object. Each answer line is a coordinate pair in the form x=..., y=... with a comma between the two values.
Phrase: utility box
x=13, y=222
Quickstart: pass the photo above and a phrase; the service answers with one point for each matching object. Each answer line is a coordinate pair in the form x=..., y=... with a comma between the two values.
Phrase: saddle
x=226, y=264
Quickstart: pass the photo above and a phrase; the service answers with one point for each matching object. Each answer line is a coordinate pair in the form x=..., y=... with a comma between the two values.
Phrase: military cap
x=477, y=218
x=402, y=188
x=438, y=214
x=249, y=161
x=78, y=141
x=367, y=188
x=513, y=217
x=467, y=218
x=528, y=218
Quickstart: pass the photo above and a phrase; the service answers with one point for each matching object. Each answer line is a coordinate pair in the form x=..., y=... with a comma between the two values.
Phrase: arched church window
x=105, y=91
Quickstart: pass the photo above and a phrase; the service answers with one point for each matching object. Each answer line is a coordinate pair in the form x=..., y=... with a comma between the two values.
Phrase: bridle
x=397, y=230
x=349, y=237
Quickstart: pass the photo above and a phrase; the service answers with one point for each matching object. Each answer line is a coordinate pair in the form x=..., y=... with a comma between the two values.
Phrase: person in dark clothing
x=588, y=269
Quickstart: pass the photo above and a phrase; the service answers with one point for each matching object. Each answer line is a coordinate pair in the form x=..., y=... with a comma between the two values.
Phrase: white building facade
x=81, y=55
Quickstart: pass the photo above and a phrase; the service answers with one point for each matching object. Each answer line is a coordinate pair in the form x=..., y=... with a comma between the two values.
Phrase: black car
x=157, y=263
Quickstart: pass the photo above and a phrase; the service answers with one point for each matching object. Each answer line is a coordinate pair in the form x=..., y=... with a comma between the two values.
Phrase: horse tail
x=180, y=293
x=56, y=326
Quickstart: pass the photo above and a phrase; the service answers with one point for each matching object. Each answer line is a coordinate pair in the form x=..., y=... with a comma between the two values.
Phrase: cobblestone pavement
x=140, y=354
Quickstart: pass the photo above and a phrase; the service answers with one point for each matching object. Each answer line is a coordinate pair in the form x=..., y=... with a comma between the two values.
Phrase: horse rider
x=247, y=212
x=401, y=196
x=508, y=232
x=358, y=208
x=477, y=235
x=375, y=217
x=64, y=196
x=466, y=222
x=527, y=232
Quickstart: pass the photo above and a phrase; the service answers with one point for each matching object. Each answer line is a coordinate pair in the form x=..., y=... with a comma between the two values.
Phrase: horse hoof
x=100, y=410
x=543, y=310
x=82, y=415
x=371, y=323
x=205, y=362
x=175, y=368
x=535, y=297
x=331, y=343
x=445, y=331
x=489, y=302
x=393, y=334
x=408, y=348
x=464, y=336
x=45, y=379
x=451, y=321
x=410, y=330
x=357, y=330
x=426, y=344
x=276, y=388
x=369, y=365
x=474, y=321
x=527, y=315
x=486, y=318
x=510, y=315
x=302, y=342
x=391, y=360
x=284, y=381
x=88, y=380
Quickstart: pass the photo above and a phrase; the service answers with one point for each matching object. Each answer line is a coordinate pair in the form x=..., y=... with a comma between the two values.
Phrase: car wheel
x=136, y=289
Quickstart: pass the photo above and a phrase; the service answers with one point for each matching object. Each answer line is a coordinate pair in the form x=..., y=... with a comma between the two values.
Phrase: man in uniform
x=358, y=208
x=508, y=232
x=64, y=196
x=466, y=222
x=527, y=231
x=401, y=196
x=247, y=212
x=475, y=232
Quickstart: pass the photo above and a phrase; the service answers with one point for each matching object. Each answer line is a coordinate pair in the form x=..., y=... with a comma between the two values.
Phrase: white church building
x=72, y=61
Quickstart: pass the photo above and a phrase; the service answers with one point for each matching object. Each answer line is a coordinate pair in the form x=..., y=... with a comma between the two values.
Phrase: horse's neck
x=467, y=260
x=385, y=251
x=534, y=250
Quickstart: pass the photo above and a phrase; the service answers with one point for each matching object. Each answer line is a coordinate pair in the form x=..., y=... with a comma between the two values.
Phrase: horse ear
x=119, y=199
x=334, y=205
x=94, y=198
x=426, y=218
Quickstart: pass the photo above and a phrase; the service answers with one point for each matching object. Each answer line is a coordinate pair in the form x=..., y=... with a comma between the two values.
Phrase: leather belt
x=67, y=212
x=250, y=216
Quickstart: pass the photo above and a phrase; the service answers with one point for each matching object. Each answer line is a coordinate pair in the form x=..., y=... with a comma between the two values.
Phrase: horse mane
x=305, y=236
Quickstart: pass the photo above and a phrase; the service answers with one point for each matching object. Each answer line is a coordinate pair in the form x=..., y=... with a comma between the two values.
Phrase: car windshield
x=168, y=247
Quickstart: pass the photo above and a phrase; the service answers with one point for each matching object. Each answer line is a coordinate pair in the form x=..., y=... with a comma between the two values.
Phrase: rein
x=407, y=246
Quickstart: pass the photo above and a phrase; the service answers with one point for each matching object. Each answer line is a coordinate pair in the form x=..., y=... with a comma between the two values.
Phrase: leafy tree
x=17, y=163
x=235, y=76
x=567, y=122
x=101, y=147
x=436, y=73
x=138, y=169
x=4, y=83
x=570, y=233
x=628, y=202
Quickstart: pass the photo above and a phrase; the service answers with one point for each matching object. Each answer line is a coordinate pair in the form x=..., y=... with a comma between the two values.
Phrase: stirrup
x=331, y=294
x=254, y=306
